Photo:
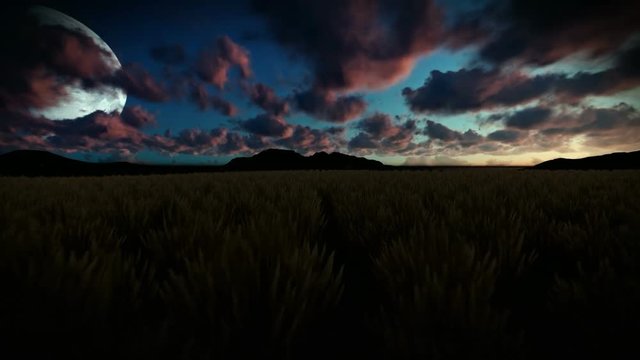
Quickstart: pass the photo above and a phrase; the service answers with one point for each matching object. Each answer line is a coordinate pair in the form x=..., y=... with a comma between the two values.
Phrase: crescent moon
x=79, y=101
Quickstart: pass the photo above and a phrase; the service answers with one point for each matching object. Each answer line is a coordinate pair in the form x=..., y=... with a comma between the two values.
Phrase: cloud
x=137, y=81
x=37, y=62
x=24, y=123
x=329, y=106
x=381, y=135
x=352, y=44
x=336, y=130
x=548, y=128
x=629, y=61
x=223, y=106
x=402, y=140
x=169, y=54
x=122, y=136
x=198, y=138
x=74, y=55
x=38, y=88
x=98, y=132
x=439, y=132
x=137, y=117
x=362, y=141
x=378, y=125
x=307, y=140
x=542, y=32
x=214, y=64
x=566, y=129
x=214, y=142
x=478, y=89
x=437, y=160
x=264, y=97
x=97, y=126
x=104, y=133
x=613, y=127
x=528, y=118
x=506, y=136
x=267, y=125
x=233, y=144
x=453, y=91
x=201, y=96
x=257, y=142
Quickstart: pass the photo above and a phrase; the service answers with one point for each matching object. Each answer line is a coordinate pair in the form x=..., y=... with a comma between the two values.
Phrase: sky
x=407, y=82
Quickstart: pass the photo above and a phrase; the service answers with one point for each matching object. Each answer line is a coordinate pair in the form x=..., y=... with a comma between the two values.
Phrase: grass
x=489, y=264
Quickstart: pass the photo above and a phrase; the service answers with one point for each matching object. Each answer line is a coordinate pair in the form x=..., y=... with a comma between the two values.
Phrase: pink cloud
x=356, y=45
x=214, y=64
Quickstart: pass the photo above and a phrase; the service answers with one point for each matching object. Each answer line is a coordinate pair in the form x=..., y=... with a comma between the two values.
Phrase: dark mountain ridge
x=43, y=163
x=619, y=160
x=277, y=159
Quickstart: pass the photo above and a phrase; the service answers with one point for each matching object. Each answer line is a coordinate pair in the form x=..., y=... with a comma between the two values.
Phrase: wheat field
x=469, y=263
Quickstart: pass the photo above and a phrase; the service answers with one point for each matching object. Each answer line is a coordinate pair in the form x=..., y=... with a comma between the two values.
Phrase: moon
x=79, y=101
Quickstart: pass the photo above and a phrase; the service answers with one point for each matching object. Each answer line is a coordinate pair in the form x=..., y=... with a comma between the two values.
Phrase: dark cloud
x=73, y=55
x=402, y=139
x=354, y=44
x=507, y=136
x=335, y=130
x=223, y=106
x=307, y=140
x=214, y=142
x=24, y=123
x=378, y=125
x=528, y=118
x=477, y=89
x=37, y=88
x=122, y=136
x=97, y=132
x=198, y=138
x=264, y=97
x=257, y=142
x=267, y=125
x=629, y=61
x=38, y=61
x=545, y=31
x=362, y=141
x=452, y=91
x=233, y=144
x=137, y=81
x=137, y=117
x=328, y=106
x=112, y=134
x=615, y=128
x=620, y=123
x=169, y=54
x=41, y=63
x=89, y=131
x=201, y=96
x=380, y=133
x=437, y=131
x=214, y=63
x=470, y=138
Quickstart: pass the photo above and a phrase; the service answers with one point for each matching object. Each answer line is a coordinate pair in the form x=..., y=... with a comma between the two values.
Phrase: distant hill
x=42, y=163
x=35, y=162
x=277, y=159
x=620, y=160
